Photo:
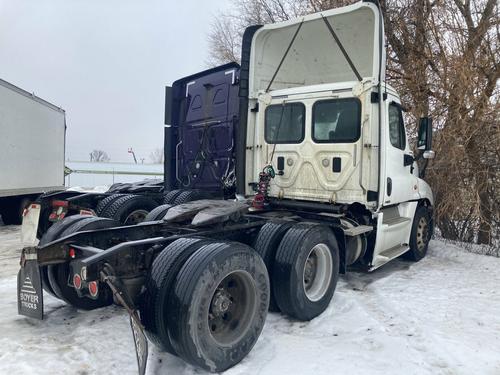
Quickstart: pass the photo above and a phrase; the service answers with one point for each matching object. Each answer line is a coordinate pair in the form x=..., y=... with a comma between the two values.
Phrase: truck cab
x=322, y=116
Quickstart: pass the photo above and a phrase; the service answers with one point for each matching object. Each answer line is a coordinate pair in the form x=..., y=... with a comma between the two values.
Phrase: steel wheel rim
x=232, y=308
x=422, y=234
x=136, y=217
x=317, y=273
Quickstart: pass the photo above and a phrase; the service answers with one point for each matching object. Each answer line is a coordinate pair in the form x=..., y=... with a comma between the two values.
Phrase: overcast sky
x=105, y=62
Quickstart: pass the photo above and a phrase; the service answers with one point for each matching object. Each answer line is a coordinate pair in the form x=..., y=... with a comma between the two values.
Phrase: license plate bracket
x=29, y=228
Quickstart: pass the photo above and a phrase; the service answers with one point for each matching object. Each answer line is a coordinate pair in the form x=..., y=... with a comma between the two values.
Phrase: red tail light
x=72, y=253
x=93, y=289
x=59, y=203
x=77, y=281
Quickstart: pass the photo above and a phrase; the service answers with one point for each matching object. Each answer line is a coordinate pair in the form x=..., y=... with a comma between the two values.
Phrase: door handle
x=281, y=165
x=408, y=160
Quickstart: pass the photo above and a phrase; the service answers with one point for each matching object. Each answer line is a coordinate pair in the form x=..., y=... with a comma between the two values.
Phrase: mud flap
x=140, y=340
x=141, y=344
x=29, y=288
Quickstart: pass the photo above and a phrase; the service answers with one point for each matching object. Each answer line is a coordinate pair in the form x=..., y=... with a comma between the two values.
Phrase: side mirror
x=168, y=105
x=429, y=154
x=425, y=134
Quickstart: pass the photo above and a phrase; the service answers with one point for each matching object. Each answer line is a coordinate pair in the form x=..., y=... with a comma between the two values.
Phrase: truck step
x=388, y=255
x=395, y=220
x=356, y=231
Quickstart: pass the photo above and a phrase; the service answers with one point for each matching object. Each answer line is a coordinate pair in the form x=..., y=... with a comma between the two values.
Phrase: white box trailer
x=32, y=142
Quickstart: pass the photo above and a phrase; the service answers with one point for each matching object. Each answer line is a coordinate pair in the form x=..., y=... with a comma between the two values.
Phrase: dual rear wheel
x=206, y=301
x=303, y=264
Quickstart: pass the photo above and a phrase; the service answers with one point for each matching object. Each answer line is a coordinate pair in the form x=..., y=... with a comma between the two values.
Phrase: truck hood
x=315, y=57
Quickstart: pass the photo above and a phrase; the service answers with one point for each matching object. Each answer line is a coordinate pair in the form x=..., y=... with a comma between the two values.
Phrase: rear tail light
x=72, y=253
x=59, y=203
x=93, y=288
x=77, y=281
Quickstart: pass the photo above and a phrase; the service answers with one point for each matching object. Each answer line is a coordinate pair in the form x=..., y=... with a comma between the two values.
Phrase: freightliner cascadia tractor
x=204, y=108
x=326, y=182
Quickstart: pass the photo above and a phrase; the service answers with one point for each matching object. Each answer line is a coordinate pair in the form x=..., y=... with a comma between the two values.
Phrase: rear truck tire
x=52, y=234
x=169, y=197
x=130, y=209
x=159, y=284
x=106, y=202
x=157, y=213
x=266, y=245
x=58, y=274
x=420, y=235
x=218, y=305
x=306, y=270
x=191, y=195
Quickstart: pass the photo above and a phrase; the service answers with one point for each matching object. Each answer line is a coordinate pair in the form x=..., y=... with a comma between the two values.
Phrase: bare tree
x=443, y=58
x=99, y=156
x=157, y=156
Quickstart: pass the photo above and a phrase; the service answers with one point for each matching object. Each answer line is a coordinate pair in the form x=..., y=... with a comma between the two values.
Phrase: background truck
x=32, y=149
x=203, y=113
x=326, y=182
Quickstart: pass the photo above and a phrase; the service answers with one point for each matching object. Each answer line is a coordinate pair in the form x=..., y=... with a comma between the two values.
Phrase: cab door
x=401, y=184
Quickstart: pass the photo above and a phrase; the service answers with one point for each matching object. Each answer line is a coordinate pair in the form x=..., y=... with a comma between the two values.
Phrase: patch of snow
x=95, y=189
x=438, y=316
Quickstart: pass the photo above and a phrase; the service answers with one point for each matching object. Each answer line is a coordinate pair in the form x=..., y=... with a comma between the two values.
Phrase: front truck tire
x=218, y=305
x=159, y=283
x=420, y=235
x=306, y=270
x=58, y=274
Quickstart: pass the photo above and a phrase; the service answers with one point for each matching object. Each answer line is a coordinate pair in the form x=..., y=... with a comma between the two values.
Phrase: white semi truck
x=326, y=182
x=32, y=139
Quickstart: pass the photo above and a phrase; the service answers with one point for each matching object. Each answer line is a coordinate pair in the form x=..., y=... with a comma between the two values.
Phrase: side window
x=336, y=121
x=396, y=127
x=285, y=123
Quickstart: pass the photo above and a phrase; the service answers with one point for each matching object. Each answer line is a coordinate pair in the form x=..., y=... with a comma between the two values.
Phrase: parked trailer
x=32, y=149
x=326, y=182
x=201, y=116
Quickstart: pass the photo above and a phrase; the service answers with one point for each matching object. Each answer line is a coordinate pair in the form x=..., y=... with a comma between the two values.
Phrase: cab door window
x=397, y=134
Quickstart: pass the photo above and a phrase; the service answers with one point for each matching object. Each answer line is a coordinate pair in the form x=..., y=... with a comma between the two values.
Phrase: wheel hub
x=317, y=274
x=136, y=217
x=232, y=307
x=422, y=233
x=310, y=270
x=221, y=303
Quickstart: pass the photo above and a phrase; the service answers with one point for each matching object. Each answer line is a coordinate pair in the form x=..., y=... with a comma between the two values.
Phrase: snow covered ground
x=438, y=316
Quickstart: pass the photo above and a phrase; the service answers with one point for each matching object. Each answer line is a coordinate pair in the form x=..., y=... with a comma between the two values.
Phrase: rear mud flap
x=29, y=289
x=140, y=340
x=141, y=344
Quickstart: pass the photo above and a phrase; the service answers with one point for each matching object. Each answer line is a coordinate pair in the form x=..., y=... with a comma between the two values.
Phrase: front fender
x=425, y=191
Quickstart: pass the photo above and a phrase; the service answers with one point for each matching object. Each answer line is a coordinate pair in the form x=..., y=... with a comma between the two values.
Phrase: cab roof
x=315, y=57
